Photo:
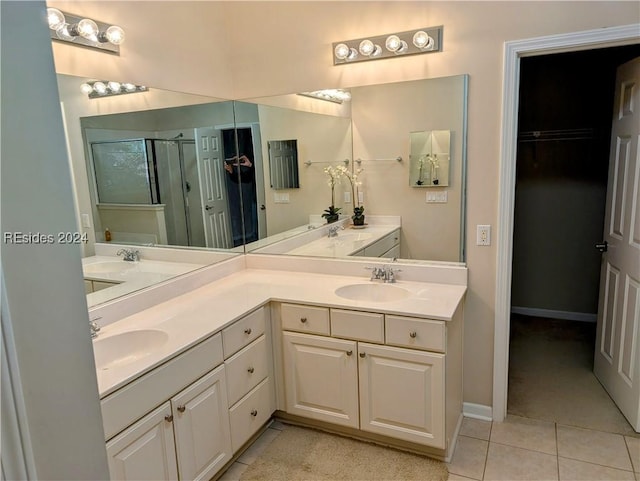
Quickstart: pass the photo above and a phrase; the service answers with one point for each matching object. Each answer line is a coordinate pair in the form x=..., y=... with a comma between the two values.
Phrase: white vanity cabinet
x=388, y=247
x=399, y=377
x=185, y=438
x=213, y=398
x=248, y=361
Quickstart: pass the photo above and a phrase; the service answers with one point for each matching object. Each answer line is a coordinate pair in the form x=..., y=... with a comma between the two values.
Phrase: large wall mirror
x=203, y=167
x=371, y=136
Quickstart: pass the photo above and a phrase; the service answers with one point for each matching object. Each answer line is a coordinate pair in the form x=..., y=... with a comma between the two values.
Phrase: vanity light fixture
x=411, y=42
x=332, y=95
x=69, y=28
x=107, y=88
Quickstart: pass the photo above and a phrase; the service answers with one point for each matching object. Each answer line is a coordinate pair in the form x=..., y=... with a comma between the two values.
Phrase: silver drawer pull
x=413, y=334
x=254, y=413
x=168, y=418
x=303, y=320
x=247, y=331
x=181, y=409
x=250, y=370
x=349, y=353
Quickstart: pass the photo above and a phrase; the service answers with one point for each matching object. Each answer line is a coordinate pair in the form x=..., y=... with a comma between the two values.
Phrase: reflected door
x=215, y=205
x=617, y=356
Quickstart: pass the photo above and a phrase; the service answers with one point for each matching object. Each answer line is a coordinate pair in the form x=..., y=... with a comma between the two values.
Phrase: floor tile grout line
x=595, y=464
x=486, y=456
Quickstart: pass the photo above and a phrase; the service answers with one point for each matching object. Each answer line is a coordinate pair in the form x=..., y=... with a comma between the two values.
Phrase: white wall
x=289, y=50
x=46, y=306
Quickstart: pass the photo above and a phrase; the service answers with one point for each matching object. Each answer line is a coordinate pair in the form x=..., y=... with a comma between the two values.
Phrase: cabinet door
x=201, y=426
x=321, y=378
x=146, y=450
x=402, y=394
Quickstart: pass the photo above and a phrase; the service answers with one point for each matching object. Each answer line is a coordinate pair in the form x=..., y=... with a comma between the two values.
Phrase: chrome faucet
x=386, y=273
x=129, y=255
x=93, y=326
x=333, y=230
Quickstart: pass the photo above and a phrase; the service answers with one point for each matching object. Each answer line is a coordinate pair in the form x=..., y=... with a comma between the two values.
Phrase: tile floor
x=517, y=449
x=528, y=449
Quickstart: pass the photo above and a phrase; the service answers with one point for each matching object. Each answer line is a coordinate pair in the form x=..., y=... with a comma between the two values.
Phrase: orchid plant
x=334, y=173
x=358, y=210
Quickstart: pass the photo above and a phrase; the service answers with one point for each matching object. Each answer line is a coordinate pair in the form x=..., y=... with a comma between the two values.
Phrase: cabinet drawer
x=383, y=245
x=246, y=369
x=242, y=332
x=361, y=326
x=250, y=413
x=305, y=319
x=415, y=333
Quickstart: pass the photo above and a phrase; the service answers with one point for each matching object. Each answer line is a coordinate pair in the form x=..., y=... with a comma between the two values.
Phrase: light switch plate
x=347, y=197
x=437, y=197
x=281, y=198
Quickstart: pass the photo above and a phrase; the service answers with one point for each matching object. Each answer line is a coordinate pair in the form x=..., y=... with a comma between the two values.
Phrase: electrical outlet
x=86, y=222
x=483, y=235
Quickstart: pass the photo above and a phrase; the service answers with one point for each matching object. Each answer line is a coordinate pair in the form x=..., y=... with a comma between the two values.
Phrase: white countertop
x=347, y=242
x=128, y=276
x=190, y=318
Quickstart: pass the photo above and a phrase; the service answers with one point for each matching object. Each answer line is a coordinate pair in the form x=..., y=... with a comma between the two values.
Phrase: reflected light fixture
x=69, y=28
x=331, y=95
x=96, y=89
x=411, y=42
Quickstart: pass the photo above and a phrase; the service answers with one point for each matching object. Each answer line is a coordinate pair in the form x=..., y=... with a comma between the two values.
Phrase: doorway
x=562, y=162
x=515, y=51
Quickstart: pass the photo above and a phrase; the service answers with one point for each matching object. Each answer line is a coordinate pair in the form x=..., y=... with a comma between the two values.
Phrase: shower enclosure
x=138, y=173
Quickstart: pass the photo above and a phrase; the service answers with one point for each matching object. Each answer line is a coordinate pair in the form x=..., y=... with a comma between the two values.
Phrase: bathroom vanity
x=187, y=384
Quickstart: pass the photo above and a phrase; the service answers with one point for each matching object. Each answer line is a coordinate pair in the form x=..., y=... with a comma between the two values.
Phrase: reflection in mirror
x=400, y=221
x=147, y=170
x=429, y=158
x=283, y=164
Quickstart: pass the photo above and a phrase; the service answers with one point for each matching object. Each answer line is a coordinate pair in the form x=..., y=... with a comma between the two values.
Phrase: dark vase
x=359, y=220
x=332, y=218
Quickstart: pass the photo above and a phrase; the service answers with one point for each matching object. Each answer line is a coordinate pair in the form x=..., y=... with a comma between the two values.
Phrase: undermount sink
x=106, y=267
x=372, y=292
x=353, y=237
x=127, y=347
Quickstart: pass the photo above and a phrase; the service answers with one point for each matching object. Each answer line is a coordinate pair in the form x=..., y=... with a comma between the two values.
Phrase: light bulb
x=100, y=88
x=341, y=51
x=86, y=28
x=55, y=18
x=114, y=35
x=64, y=34
x=86, y=88
x=114, y=86
x=129, y=87
x=422, y=40
x=366, y=47
x=393, y=43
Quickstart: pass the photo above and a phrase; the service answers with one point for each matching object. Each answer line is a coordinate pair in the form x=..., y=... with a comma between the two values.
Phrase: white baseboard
x=552, y=314
x=477, y=411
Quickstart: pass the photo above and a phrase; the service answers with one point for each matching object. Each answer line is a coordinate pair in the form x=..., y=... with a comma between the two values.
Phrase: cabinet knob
x=254, y=413
x=413, y=334
x=181, y=409
x=168, y=418
x=349, y=353
x=362, y=354
x=303, y=320
x=247, y=331
x=250, y=370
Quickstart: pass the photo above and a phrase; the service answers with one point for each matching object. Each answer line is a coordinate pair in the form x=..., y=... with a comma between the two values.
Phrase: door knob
x=262, y=207
x=602, y=246
x=207, y=207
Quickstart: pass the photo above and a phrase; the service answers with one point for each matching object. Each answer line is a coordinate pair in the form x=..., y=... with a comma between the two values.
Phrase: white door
x=213, y=189
x=321, y=378
x=146, y=450
x=201, y=426
x=617, y=352
x=402, y=394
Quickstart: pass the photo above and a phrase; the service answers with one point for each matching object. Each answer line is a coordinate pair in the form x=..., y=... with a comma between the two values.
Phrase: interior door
x=617, y=352
x=215, y=212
